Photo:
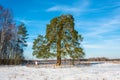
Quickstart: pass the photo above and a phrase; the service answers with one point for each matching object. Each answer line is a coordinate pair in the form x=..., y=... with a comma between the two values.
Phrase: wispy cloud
x=102, y=34
x=110, y=5
x=30, y=22
x=82, y=6
x=107, y=47
x=105, y=27
x=100, y=26
x=75, y=9
x=63, y=9
x=109, y=44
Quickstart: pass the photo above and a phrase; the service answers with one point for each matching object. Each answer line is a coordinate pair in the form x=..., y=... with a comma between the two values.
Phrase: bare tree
x=11, y=51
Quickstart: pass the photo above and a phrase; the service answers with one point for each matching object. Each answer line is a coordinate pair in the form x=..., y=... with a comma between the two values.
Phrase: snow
x=104, y=71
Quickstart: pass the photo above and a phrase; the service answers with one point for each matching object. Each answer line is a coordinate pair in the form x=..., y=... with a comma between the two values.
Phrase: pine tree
x=62, y=39
x=22, y=35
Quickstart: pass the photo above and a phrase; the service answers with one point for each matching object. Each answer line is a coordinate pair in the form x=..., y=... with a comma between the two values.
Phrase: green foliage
x=61, y=39
x=41, y=50
x=22, y=35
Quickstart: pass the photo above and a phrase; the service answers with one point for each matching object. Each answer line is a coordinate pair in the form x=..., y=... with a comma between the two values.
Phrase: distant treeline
x=101, y=59
x=12, y=61
x=69, y=60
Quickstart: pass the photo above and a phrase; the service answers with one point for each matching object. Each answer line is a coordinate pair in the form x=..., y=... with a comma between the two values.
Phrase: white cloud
x=75, y=9
x=103, y=26
x=28, y=22
x=63, y=9
x=104, y=44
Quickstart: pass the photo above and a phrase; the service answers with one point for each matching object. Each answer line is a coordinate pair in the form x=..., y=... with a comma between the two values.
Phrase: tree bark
x=58, y=53
x=59, y=47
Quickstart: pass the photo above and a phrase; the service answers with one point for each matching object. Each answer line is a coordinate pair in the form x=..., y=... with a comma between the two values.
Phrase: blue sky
x=98, y=21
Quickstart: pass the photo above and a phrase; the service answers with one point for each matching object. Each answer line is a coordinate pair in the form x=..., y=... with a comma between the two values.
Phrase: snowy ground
x=104, y=71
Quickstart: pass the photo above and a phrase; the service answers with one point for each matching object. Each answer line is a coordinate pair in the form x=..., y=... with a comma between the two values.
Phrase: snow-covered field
x=104, y=71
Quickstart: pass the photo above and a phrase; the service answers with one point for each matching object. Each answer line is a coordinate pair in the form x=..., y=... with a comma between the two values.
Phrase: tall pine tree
x=62, y=38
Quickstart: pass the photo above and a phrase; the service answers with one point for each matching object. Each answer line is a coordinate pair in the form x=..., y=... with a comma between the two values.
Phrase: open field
x=102, y=71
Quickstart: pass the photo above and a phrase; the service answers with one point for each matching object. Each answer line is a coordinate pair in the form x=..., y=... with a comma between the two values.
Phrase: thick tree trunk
x=59, y=47
x=58, y=61
x=58, y=53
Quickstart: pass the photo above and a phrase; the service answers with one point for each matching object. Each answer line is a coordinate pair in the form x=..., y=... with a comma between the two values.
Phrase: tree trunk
x=73, y=61
x=58, y=61
x=59, y=47
x=58, y=53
